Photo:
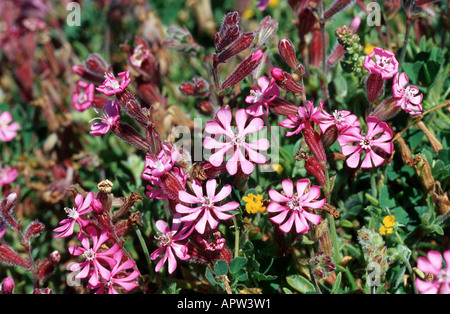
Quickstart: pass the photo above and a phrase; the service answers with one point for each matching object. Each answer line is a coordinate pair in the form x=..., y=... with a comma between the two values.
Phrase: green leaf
x=221, y=268
x=259, y=276
x=336, y=284
x=237, y=263
x=301, y=284
x=210, y=276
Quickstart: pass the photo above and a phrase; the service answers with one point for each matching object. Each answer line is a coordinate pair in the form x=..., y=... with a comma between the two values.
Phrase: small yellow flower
x=388, y=224
x=278, y=168
x=248, y=14
x=273, y=3
x=254, y=203
x=368, y=48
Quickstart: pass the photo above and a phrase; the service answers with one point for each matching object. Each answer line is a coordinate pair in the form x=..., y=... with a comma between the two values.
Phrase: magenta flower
x=261, y=96
x=109, y=118
x=83, y=206
x=157, y=191
x=407, y=98
x=93, y=255
x=376, y=141
x=111, y=85
x=8, y=175
x=207, y=212
x=340, y=118
x=8, y=130
x=381, y=62
x=298, y=121
x=119, y=276
x=440, y=284
x=169, y=246
x=156, y=167
x=236, y=142
x=262, y=4
x=294, y=208
x=83, y=96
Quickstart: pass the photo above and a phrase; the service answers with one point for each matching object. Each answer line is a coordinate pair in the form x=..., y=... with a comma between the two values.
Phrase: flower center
x=383, y=62
x=159, y=165
x=72, y=213
x=410, y=92
x=295, y=203
x=238, y=140
x=89, y=255
x=164, y=239
x=442, y=276
x=112, y=82
x=338, y=117
x=366, y=143
x=207, y=202
x=257, y=96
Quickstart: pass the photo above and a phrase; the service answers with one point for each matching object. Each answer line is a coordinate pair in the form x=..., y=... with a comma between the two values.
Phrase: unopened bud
x=374, y=87
x=314, y=143
x=229, y=31
x=287, y=52
x=386, y=110
x=329, y=136
x=240, y=44
x=7, y=285
x=335, y=7
x=243, y=69
x=128, y=134
x=10, y=257
x=206, y=108
x=313, y=167
x=34, y=229
x=7, y=206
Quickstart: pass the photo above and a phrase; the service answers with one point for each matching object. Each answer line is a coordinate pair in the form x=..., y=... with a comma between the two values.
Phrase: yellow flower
x=388, y=224
x=368, y=48
x=254, y=203
x=278, y=168
x=248, y=14
x=273, y=3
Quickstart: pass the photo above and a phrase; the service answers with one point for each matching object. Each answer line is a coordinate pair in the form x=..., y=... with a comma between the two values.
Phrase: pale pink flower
x=297, y=122
x=119, y=276
x=93, y=255
x=140, y=54
x=208, y=211
x=111, y=85
x=8, y=175
x=164, y=161
x=374, y=142
x=235, y=142
x=340, y=118
x=440, y=284
x=110, y=116
x=381, y=62
x=261, y=95
x=74, y=214
x=294, y=208
x=8, y=130
x=407, y=98
x=169, y=243
x=83, y=96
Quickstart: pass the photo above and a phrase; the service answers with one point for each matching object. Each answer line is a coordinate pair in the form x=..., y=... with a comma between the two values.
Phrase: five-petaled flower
x=109, y=118
x=111, y=85
x=94, y=256
x=298, y=121
x=169, y=243
x=261, y=95
x=208, y=211
x=294, y=208
x=432, y=265
x=376, y=141
x=407, y=98
x=164, y=161
x=381, y=62
x=74, y=214
x=236, y=142
x=340, y=118
x=8, y=130
x=83, y=96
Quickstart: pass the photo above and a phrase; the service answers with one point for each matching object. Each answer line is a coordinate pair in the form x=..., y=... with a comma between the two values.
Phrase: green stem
x=334, y=240
x=236, y=237
x=146, y=252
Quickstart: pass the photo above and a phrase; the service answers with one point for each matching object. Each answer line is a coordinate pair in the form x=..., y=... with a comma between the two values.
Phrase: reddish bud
x=267, y=27
x=7, y=206
x=10, y=257
x=386, y=110
x=287, y=51
x=171, y=185
x=330, y=136
x=42, y=291
x=313, y=167
x=7, y=286
x=315, y=48
x=282, y=107
x=34, y=229
x=93, y=69
x=335, y=7
x=286, y=81
x=131, y=106
x=199, y=87
x=48, y=265
x=374, y=87
x=243, y=69
x=206, y=108
x=128, y=134
x=336, y=55
x=314, y=143
x=229, y=31
x=240, y=44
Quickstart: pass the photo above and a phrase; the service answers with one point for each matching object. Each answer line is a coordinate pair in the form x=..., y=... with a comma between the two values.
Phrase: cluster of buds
x=353, y=59
x=322, y=267
x=10, y=257
x=107, y=260
x=375, y=252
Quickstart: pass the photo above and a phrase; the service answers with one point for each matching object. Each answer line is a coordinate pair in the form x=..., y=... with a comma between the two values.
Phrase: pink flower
x=261, y=96
x=168, y=240
x=378, y=137
x=341, y=118
x=159, y=192
x=294, y=207
x=74, y=215
x=140, y=54
x=93, y=257
x=207, y=212
x=381, y=62
x=235, y=141
x=155, y=167
x=83, y=96
x=8, y=130
x=433, y=265
x=298, y=121
x=111, y=86
x=108, y=120
x=262, y=4
x=8, y=175
x=407, y=98
x=119, y=276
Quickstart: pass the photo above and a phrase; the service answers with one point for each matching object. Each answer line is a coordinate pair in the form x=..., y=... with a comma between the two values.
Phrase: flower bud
x=243, y=69
x=315, y=48
x=10, y=257
x=48, y=265
x=206, y=108
x=7, y=285
x=286, y=81
x=267, y=27
x=229, y=31
x=34, y=229
x=330, y=136
x=240, y=44
x=199, y=87
x=335, y=7
x=282, y=107
x=42, y=291
x=131, y=106
x=313, y=167
x=374, y=87
x=314, y=143
x=386, y=110
x=7, y=206
x=128, y=134
x=287, y=52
